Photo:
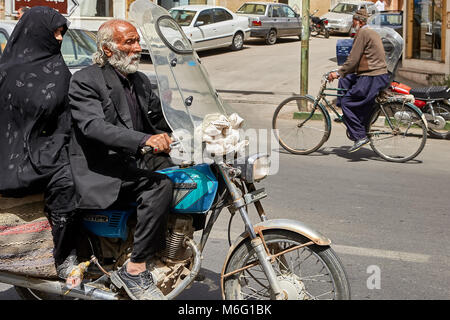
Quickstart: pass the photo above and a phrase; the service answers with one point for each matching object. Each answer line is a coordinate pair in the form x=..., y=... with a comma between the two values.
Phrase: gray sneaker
x=358, y=144
x=138, y=287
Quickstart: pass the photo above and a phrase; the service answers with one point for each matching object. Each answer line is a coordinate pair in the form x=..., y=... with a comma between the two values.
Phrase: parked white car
x=341, y=16
x=209, y=27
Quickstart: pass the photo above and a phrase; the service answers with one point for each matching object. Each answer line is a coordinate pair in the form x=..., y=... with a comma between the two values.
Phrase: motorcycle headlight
x=261, y=168
x=254, y=168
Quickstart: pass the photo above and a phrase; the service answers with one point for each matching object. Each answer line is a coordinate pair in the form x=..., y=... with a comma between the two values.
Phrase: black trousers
x=62, y=214
x=152, y=192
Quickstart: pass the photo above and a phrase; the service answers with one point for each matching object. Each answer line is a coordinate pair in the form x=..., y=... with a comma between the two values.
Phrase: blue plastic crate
x=343, y=48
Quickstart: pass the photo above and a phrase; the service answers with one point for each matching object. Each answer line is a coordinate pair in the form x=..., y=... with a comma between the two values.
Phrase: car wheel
x=238, y=41
x=271, y=37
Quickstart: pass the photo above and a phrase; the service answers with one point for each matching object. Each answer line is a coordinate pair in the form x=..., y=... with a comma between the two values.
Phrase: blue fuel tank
x=195, y=188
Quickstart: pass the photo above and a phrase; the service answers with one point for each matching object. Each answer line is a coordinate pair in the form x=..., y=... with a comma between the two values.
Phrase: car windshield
x=78, y=47
x=183, y=17
x=386, y=19
x=345, y=8
x=252, y=8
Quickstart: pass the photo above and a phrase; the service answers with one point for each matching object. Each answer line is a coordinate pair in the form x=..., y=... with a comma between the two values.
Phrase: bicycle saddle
x=428, y=93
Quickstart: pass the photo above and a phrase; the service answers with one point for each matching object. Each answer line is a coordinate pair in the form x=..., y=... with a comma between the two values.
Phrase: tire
x=441, y=130
x=326, y=32
x=301, y=132
x=238, y=41
x=300, y=283
x=314, y=31
x=397, y=134
x=31, y=294
x=271, y=37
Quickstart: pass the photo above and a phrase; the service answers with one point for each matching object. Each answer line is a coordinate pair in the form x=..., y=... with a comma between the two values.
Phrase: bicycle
x=397, y=129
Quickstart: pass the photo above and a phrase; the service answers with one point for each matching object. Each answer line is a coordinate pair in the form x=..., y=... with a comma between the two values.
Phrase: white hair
x=119, y=60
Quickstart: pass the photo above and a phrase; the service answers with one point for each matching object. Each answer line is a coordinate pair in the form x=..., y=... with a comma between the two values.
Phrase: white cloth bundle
x=221, y=134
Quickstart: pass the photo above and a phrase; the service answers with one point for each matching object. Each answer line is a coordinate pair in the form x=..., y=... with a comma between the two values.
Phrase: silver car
x=270, y=20
x=340, y=18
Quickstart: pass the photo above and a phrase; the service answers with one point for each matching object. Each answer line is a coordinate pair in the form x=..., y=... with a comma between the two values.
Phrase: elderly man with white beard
x=115, y=114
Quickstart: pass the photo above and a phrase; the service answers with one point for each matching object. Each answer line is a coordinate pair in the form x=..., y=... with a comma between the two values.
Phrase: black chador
x=35, y=118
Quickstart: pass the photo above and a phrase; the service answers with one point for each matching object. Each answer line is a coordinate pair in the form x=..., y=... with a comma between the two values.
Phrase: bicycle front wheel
x=397, y=132
x=300, y=126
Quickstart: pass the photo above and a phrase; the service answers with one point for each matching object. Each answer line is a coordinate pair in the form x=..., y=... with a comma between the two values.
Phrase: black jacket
x=104, y=147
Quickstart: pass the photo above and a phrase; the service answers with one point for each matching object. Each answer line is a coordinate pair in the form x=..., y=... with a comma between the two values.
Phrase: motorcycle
x=435, y=104
x=318, y=26
x=272, y=259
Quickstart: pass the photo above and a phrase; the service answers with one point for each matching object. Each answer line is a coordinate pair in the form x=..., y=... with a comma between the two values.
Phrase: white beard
x=123, y=63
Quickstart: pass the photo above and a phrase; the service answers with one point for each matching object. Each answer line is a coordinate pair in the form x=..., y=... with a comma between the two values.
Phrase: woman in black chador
x=35, y=124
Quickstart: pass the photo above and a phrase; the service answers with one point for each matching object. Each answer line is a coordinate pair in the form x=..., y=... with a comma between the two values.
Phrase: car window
x=394, y=19
x=345, y=8
x=77, y=48
x=3, y=41
x=183, y=17
x=278, y=12
x=205, y=17
x=252, y=8
x=222, y=15
x=288, y=12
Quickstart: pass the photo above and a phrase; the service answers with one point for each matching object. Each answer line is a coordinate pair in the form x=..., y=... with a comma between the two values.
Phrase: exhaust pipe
x=87, y=292
x=56, y=287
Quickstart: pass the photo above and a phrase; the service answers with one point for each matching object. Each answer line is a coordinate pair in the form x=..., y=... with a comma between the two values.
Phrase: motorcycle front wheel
x=439, y=125
x=308, y=272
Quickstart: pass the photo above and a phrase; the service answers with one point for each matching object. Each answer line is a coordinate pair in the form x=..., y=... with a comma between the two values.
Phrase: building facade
x=426, y=56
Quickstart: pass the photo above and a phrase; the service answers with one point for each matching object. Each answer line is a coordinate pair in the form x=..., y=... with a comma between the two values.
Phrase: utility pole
x=304, y=61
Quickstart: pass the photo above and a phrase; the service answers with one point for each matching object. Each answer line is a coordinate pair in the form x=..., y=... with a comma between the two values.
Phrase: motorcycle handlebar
x=147, y=149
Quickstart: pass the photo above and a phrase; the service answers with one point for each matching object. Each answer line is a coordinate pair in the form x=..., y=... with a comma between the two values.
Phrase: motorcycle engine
x=179, y=227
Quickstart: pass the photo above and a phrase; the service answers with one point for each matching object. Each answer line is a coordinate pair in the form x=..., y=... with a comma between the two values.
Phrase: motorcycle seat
x=431, y=93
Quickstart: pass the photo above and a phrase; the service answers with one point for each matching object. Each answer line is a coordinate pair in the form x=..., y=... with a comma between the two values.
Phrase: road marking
x=386, y=254
x=350, y=250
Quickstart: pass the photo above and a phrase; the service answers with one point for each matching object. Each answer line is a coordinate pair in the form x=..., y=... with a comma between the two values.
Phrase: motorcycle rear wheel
x=307, y=273
x=326, y=32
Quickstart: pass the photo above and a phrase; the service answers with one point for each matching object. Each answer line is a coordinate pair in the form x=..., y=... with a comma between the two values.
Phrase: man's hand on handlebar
x=332, y=76
x=159, y=143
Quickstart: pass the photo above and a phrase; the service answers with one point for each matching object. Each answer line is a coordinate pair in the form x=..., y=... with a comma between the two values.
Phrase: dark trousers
x=358, y=102
x=152, y=192
x=62, y=214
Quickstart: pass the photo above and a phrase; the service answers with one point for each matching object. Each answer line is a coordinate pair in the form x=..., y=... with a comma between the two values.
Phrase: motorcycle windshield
x=393, y=46
x=186, y=93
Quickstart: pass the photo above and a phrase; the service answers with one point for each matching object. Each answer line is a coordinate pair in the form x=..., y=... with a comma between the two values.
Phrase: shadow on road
x=363, y=154
x=208, y=289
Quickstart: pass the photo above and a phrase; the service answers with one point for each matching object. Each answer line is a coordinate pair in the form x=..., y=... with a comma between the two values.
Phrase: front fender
x=280, y=224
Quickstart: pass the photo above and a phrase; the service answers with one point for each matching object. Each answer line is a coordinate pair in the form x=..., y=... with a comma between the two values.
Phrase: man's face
x=125, y=57
x=127, y=39
x=19, y=13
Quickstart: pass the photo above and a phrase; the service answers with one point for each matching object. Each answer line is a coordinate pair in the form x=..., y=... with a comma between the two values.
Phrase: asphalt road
x=388, y=217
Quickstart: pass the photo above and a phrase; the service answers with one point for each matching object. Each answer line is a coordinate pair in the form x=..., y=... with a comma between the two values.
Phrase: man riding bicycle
x=364, y=74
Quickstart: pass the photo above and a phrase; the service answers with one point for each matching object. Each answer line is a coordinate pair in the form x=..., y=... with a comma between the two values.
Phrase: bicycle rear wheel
x=299, y=126
x=397, y=131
